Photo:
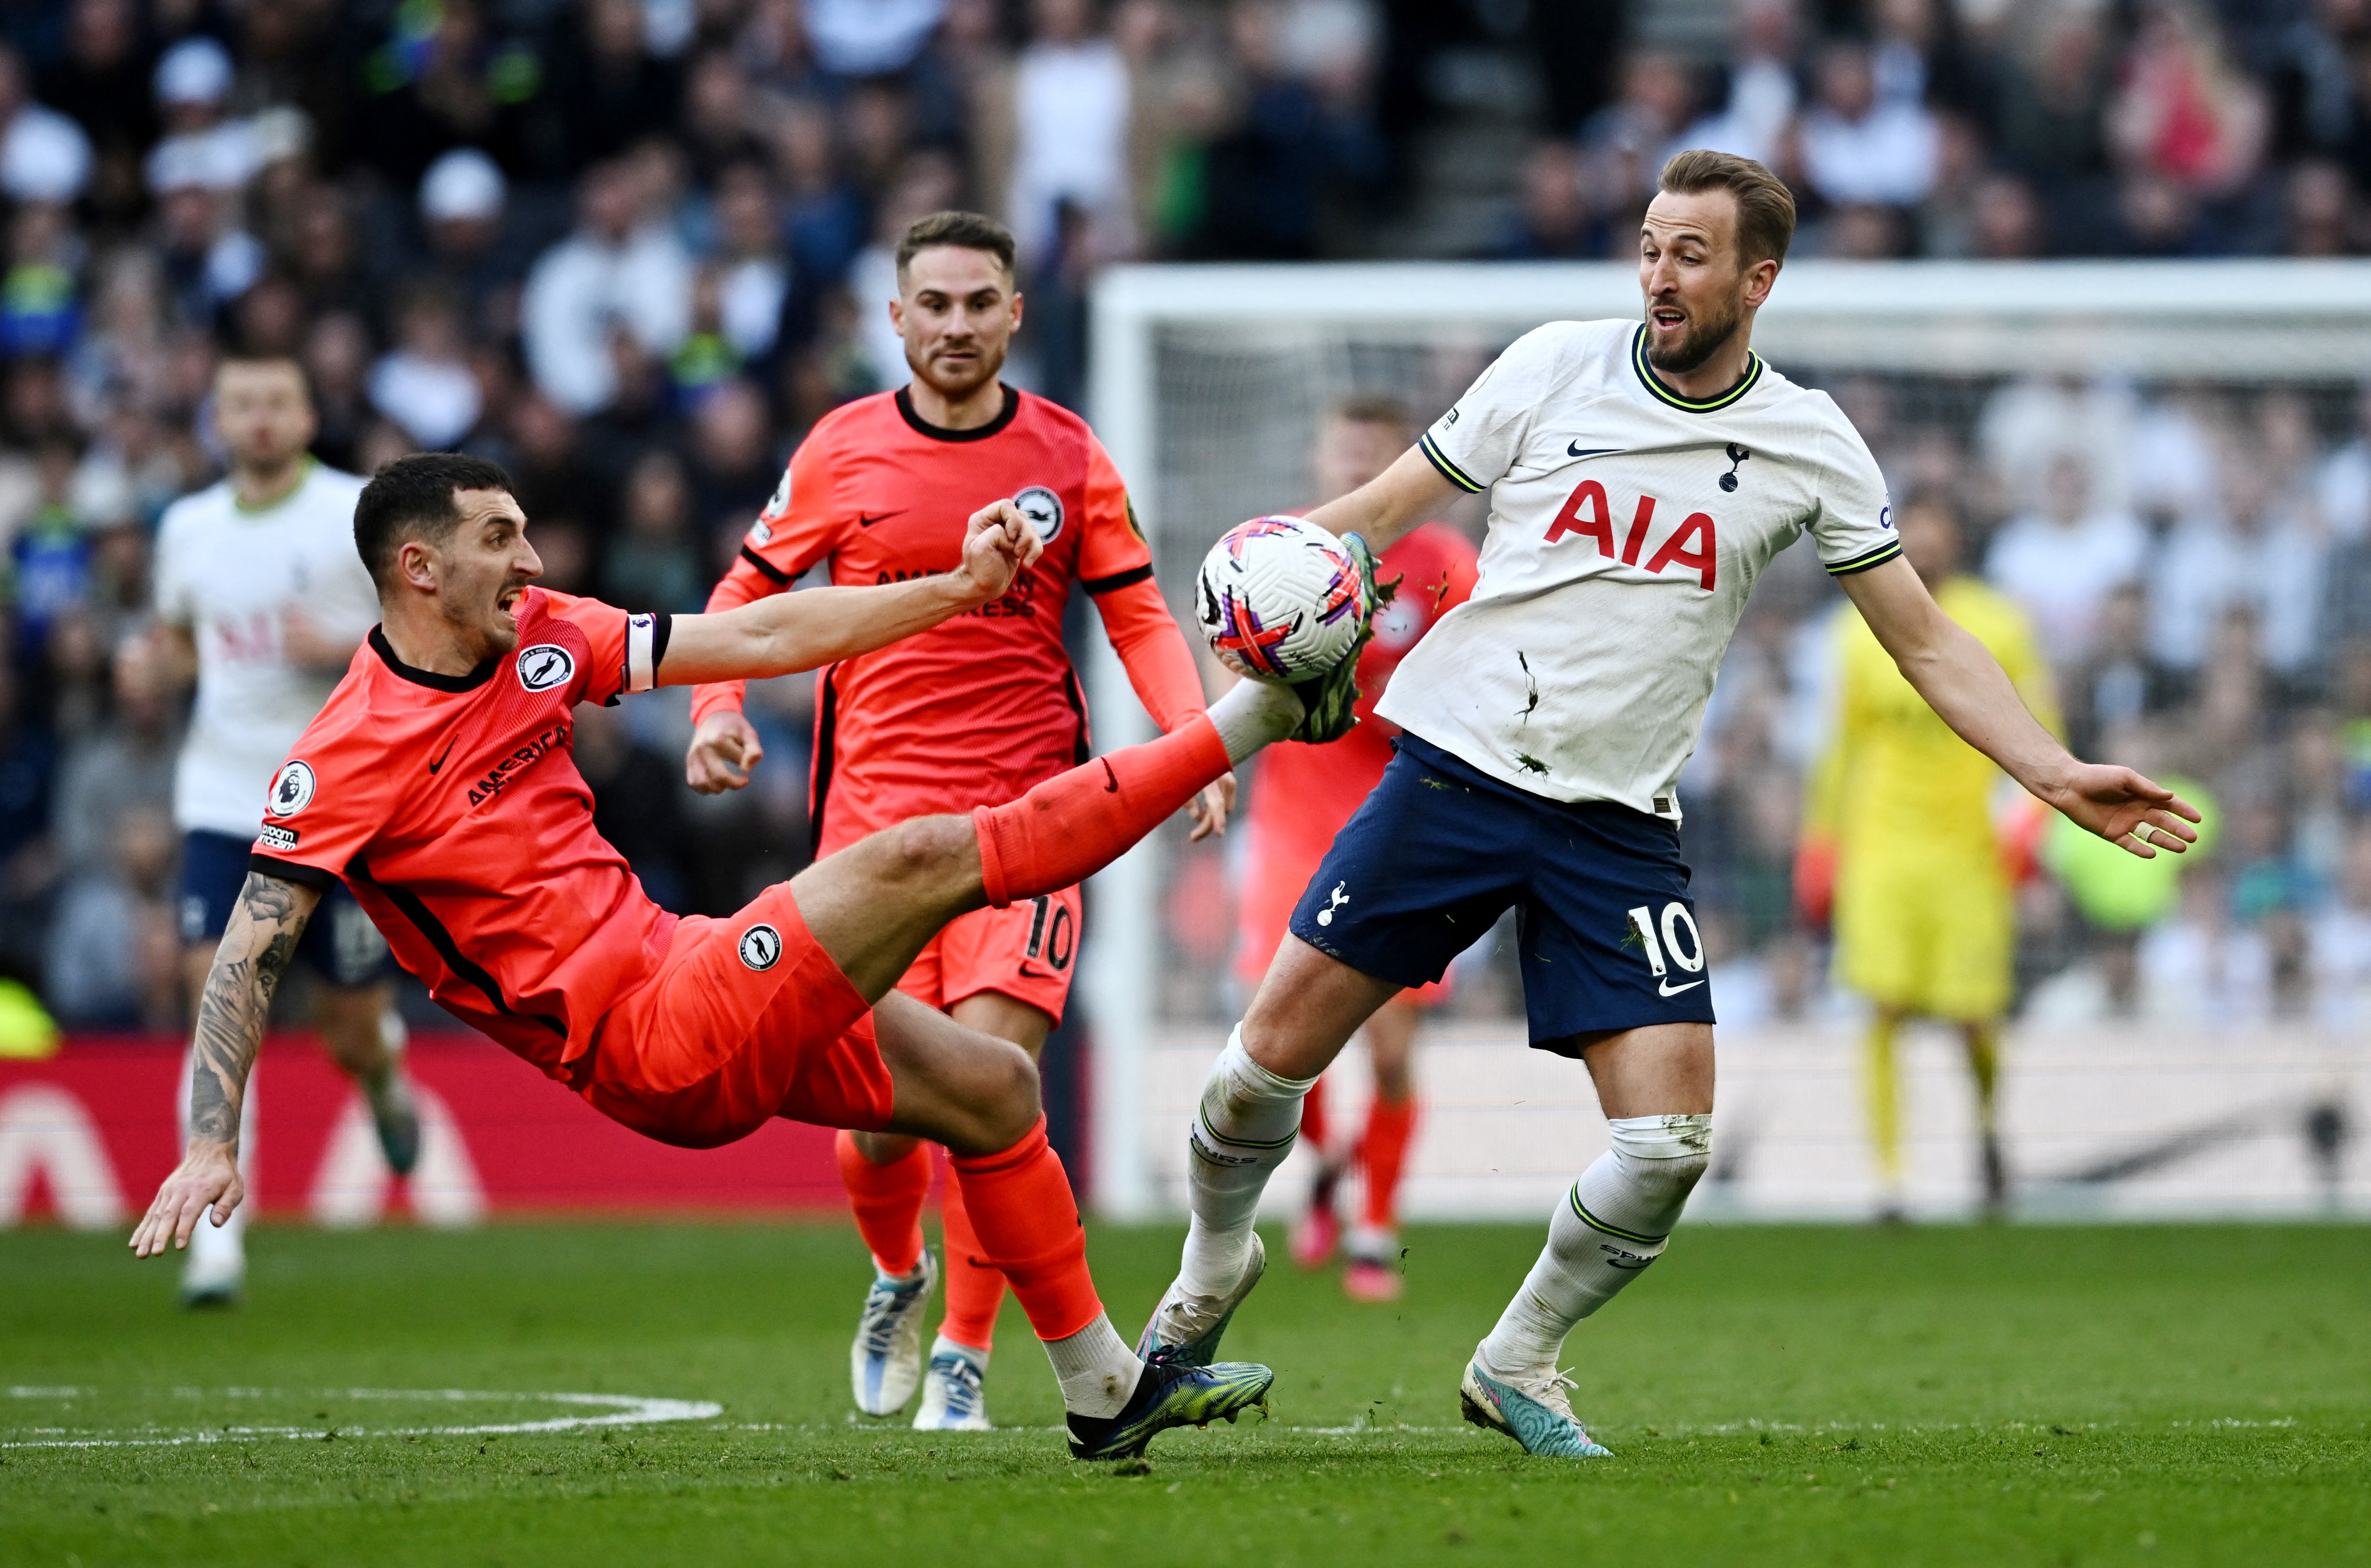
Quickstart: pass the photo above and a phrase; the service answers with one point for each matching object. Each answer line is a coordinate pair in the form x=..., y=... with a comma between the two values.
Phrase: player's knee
x=1008, y=1102
x=929, y=847
x=1663, y=1158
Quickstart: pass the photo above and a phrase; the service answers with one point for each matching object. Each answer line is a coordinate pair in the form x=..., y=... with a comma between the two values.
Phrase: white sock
x=1096, y=1369
x=218, y=1255
x=1253, y=714
x=1613, y=1224
x=392, y=1037
x=1248, y=1120
x=941, y=1345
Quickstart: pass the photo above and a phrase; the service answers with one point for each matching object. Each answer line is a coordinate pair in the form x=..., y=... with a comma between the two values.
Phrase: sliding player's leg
x=1372, y=1273
x=1655, y=1085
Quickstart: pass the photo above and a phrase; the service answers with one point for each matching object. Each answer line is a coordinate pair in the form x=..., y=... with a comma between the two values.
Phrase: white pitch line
x=623, y=1410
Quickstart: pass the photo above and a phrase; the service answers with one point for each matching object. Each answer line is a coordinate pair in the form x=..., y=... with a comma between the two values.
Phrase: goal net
x=2218, y=1064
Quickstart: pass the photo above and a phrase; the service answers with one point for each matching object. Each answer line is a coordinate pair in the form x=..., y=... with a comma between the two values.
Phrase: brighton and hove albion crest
x=762, y=947
x=1044, y=510
x=545, y=666
x=292, y=789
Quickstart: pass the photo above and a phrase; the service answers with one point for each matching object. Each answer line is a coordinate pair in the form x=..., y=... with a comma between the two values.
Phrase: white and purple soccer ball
x=1280, y=599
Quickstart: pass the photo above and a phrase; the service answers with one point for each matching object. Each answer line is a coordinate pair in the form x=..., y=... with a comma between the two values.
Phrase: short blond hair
x=1765, y=208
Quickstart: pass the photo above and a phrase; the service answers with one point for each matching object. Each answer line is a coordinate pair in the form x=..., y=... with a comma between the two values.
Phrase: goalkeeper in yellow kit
x=1900, y=817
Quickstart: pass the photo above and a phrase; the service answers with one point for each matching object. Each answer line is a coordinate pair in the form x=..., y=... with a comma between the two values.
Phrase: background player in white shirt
x=260, y=597
x=1641, y=476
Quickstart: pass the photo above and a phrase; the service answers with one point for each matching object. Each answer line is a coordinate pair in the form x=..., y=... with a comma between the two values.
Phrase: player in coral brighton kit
x=1301, y=797
x=258, y=595
x=439, y=784
x=1642, y=475
x=972, y=713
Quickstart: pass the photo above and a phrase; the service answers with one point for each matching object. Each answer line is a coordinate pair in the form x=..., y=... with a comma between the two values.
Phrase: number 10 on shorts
x=1665, y=937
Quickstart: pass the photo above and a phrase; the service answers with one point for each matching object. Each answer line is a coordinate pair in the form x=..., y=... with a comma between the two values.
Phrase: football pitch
x=1779, y=1395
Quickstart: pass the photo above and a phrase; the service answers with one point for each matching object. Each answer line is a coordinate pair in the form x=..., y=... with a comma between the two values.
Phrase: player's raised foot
x=397, y=1117
x=1184, y=1329
x=1170, y=1393
x=954, y=1398
x=1536, y=1412
x=885, y=1365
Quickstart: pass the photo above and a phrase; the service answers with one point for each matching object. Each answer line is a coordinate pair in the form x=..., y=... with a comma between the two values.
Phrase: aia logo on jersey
x=292, y=791
x=762, y=947
x=1693, y=545
x=1044, y=510
x=545, y=666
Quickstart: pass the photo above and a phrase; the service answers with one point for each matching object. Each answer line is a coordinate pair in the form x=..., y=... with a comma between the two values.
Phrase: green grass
x=2149, y=1395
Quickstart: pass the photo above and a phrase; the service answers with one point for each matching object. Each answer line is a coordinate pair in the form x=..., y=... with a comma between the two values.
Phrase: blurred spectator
x=1071, y=119
x=734, y=467
x=2246, y=555
x=44, y=157
x=1860, y=148
x=424, y=384
x=112, y=960
x=2342, y=484
x=1761, y=102
x=654, y=563
x=869, y=38
x=620, y=272
x=754, y=281
x=2184, y=113
x=1556, y=222
x=2061, y=562
x=124, y=768
x=463, y=203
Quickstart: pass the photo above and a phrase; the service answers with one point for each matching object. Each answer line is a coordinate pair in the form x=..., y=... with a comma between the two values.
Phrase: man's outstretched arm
x=1963, y=683
x=1391, y=503
x=255, y=951
x=787, y=633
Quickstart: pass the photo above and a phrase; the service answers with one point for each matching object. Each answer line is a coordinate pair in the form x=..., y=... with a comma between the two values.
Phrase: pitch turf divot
x=618, y=1410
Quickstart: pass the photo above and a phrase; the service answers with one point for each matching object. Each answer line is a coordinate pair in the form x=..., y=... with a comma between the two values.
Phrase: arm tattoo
x=255, y=951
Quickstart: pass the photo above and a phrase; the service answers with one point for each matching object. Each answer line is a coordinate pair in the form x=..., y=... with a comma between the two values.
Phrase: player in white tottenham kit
x=1641, y=476
x=259, y=593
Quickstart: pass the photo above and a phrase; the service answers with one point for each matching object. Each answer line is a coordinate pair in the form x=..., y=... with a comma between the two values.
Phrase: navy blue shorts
x=340, y=943
x=1606, y=936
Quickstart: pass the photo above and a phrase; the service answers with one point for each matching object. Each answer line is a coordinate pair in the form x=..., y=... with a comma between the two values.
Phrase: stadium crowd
x=632, y=249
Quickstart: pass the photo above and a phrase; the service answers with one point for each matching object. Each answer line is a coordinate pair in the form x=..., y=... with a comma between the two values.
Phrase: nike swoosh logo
x=1029, y=973
x=1111, y=780
x=1668, y=989
x=1574, y=450
x=864, y=522
x=440, y=756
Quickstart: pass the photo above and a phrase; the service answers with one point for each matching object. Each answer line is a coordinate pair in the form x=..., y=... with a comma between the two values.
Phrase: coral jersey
x=1304, y=794
x=452, y=807
x=981, y=708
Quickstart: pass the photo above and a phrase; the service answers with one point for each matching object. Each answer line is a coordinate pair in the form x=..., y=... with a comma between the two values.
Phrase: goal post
x=1207, y=383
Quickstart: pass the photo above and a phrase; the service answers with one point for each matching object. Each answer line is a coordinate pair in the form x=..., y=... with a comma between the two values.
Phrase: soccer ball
x=1281, y=599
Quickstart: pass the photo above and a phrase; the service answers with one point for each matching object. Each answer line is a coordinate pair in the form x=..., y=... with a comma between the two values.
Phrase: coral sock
x=975, y=1285
x=1384, y=1152
x=1312, y=1120
x=888, y=1202
x=1027, y=1220
x=1079, y=822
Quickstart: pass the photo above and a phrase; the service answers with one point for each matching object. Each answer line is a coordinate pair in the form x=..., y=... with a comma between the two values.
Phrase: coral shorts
x=747, y=1018
x=1026, y=951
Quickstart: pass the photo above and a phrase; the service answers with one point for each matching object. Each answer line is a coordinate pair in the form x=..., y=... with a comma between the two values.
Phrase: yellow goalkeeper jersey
x=1923, y=918
x=1896, y=780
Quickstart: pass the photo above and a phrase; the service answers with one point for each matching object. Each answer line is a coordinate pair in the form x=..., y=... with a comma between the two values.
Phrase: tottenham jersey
x=1627, y=525
x=228, y=576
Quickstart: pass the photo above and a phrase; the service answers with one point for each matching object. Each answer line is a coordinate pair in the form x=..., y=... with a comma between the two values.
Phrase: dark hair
x=413, y=497
x=1374, y=407
x=258, y=356
x=1765, y=208
x=970, y=231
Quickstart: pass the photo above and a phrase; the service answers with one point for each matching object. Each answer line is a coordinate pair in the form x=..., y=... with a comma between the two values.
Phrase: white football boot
x=885, y=1365
x=952, y=1398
